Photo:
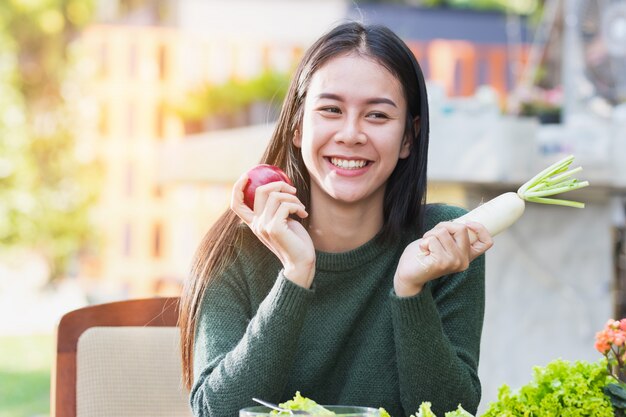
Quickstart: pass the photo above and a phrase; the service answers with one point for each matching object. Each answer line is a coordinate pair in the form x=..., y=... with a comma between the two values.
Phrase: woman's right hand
x=270, y=222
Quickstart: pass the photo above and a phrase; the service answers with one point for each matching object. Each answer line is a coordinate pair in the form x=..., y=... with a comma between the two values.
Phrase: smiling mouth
x=348, y=163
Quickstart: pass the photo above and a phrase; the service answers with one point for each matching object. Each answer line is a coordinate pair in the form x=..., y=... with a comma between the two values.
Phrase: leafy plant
x=560, y=389
x=536, y=101
x=231, y=97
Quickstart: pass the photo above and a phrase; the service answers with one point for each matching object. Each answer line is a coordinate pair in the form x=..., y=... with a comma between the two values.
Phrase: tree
x=46, y=190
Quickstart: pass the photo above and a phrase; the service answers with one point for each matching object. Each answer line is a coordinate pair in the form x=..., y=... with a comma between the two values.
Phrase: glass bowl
x=339, y=410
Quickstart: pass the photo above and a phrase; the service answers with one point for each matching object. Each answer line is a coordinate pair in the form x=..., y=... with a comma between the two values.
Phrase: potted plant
x=233, y=103
x=611, y=342
x=542, y=103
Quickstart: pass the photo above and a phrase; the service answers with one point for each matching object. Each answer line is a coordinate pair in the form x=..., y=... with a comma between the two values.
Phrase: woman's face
x=353, y=129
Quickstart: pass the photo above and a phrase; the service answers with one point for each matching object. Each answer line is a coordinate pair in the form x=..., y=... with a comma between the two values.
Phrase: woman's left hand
x=443, y=250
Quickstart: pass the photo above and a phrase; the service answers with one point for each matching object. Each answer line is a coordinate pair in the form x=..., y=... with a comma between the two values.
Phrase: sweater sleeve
x=437, y=336
x=240, y=354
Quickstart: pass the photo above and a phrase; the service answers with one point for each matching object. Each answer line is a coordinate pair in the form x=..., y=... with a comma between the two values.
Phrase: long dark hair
x=405, y=190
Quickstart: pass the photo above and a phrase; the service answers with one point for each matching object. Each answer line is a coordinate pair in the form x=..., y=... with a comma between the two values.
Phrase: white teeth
x=348, y=164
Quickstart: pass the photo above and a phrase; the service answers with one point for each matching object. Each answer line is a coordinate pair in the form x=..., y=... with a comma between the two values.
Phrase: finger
x=236, y=200
x=429, y=260
x=448, y=245
x=276, y=229
x=262, y=193
x=276, y=199
x=450, y=256
x=484, y=240
x=425, y=261
x=458, y=231
x=288, y=208
x=422, y=244
x=430, y=234
x=435, y=231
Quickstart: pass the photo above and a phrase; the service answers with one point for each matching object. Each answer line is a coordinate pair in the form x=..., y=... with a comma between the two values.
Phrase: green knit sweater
x=348, y=340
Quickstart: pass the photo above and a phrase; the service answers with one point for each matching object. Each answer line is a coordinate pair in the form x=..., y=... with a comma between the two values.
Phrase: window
x=127, y=240
x=130, y=119
x=129, y=180
x=132, y=60
x=103, y=60
x=157, y=232
x=103, y=120
x=162, y=62
x=159, y=121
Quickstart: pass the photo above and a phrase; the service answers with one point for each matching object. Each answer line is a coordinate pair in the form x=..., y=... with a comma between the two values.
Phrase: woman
x=345, y=286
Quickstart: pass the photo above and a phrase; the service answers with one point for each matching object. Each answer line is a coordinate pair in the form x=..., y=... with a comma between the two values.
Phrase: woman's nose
x=351, y=132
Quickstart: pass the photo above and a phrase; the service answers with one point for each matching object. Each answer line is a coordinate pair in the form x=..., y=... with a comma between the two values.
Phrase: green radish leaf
x=555, y=179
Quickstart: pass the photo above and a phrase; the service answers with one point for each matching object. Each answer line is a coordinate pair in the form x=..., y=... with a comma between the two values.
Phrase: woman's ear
x=405, y=149
x=416, y=125
x=297, y=138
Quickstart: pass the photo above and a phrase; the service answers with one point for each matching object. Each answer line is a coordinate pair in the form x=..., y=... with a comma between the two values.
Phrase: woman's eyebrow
x=375, y=100
x=381, y=100
x=329, y=96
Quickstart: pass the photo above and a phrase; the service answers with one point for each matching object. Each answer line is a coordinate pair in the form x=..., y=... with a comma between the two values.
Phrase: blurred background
x=124, y=123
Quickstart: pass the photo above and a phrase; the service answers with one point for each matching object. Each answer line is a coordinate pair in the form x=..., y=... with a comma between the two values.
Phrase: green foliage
x=232, y=96
x=25, y=375
x=561, y=389
x=520, y=6
x=302, y=403
x=45, y=189
x=425, y=410
x=459, y=412
x=617, y=394
x=383, y=412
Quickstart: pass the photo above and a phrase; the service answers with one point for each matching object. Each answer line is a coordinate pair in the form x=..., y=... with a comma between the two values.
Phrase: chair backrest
x=119, y=359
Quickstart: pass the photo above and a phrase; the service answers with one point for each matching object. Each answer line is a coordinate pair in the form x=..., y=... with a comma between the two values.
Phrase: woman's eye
x=377, y=115
x=335, y=110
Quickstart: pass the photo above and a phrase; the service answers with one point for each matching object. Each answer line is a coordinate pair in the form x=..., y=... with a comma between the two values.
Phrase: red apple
x=261, y=175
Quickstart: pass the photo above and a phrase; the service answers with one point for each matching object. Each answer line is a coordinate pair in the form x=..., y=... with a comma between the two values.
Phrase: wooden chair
x=119, y=359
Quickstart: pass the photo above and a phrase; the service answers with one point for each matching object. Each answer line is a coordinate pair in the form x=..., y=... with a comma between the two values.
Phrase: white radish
x=501, y=212
x=497, y=214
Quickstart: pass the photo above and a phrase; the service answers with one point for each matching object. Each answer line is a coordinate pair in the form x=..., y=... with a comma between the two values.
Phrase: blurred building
x=146, y=57
x=135, y=76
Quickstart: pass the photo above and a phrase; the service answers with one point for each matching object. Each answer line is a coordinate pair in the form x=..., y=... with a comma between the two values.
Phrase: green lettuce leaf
x=561, y=388
x=424, y=410
x=383, y=412
x=459, y=412
x=306, y=404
